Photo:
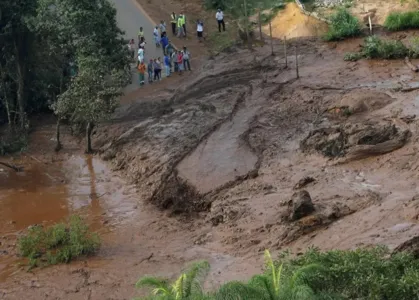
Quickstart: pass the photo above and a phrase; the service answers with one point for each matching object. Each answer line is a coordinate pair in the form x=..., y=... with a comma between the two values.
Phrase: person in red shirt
x=141, y=72
x=180, y=61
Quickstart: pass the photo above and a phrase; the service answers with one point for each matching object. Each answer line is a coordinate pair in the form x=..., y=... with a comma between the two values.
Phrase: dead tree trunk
x=89, y=130
x=17, y=169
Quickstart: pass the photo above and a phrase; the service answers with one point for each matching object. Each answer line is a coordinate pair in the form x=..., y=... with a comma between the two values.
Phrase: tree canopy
x=68, y=55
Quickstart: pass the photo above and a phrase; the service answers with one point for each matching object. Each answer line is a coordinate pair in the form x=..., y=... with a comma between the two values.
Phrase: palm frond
x=302, y=274
x=179, y=286
x=195, y=274
x=160, y=286
x=239, y=291
x=263, y=283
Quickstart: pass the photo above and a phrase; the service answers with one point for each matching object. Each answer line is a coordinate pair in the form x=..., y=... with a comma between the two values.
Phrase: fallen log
x=410, y=65
x=17, y=169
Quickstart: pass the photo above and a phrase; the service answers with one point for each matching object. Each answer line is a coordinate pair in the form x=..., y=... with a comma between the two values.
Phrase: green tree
x=99, y=54
x=186, y=287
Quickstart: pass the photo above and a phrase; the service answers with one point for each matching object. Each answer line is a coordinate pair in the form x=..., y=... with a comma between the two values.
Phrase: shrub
x=374, y=47
x=352, y=56
x=361, y=274
x=59, y=243
x=402, y=20
x=315, y=275
x=343, y=25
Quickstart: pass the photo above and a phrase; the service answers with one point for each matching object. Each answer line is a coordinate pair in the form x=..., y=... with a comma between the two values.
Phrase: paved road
x=130, y=18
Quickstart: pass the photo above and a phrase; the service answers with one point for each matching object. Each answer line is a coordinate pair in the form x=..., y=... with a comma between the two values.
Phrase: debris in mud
x=300, y=205
x=303, y=182
x=356, y=141
x=177, y=195
x=363, y=101
x=411, y=246
x=324, y=215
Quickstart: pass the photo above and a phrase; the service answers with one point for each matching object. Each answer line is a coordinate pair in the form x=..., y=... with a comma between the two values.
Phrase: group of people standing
x=174, y=60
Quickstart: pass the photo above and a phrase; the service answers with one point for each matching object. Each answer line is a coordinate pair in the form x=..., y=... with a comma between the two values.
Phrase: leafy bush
x=361, y=274
x=374, y=47
x=352, y=56
x=332, y=275
x=343, y=25
x=59, y=243
x=402, y=20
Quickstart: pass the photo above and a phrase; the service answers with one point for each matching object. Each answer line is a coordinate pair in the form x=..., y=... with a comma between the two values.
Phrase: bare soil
x=215, y=161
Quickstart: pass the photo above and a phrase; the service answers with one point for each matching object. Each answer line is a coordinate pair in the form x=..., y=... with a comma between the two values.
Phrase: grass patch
x=218, y=42
x=58, y=244
x=315, y=275
x=402, y=20
x=342, y=25
x=376, y=48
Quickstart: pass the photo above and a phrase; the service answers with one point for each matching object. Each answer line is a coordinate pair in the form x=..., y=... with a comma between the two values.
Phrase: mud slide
x=221, y=158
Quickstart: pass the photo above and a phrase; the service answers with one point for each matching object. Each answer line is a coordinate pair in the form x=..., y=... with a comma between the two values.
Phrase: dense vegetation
x=333, y=275
x=59, y=243
x=375, y=47
x=343, y=25
x=67, y=55
x=402, y=20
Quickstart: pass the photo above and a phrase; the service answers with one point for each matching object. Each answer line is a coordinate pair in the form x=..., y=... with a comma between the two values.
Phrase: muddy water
x=222, y=157
x=47, y=194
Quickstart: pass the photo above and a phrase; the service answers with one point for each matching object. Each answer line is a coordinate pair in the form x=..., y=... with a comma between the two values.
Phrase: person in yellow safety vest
x=182, y=15
x=180, y=28
x=140, y=36
x=173, y=21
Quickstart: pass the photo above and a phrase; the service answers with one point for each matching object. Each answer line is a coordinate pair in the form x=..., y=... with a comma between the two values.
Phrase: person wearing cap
x=220, y=19
x=180, y=28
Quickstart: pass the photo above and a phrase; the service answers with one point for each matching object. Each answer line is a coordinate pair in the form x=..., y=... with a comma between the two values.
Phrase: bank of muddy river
x=49, y=193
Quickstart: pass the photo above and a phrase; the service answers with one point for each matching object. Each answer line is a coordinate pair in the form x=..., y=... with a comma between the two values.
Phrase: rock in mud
x=358, y=140
x=364, y=101
x=300, y=205
x=411, y=246
x=303, y=182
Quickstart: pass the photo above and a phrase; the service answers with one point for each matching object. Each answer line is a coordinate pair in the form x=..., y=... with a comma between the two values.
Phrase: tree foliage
x=333, y=275
x=60, y=51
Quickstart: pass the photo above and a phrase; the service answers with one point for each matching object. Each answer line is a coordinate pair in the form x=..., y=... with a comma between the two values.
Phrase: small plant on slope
x=186, y=287
x=343, y=25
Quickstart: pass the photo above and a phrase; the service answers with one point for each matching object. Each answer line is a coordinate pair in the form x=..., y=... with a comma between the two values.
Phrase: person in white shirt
x=199, y=30
x=140, y=55
x=220, y=19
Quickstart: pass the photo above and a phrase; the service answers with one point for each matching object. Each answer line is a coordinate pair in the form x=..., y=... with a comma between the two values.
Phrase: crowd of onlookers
x=174, y=60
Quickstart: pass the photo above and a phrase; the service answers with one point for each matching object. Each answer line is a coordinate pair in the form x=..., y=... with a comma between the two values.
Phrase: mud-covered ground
x=218, y=165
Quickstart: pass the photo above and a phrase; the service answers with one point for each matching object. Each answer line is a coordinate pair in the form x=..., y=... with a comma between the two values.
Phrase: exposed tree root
x=17, y=169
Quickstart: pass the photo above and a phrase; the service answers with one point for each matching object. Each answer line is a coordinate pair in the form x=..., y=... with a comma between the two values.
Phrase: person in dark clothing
x=173, y=21
x=220, y=20
x=150, y=68
x=164, y=42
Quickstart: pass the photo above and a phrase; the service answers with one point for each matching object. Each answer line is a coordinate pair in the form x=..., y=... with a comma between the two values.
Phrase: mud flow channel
x=49, y=193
